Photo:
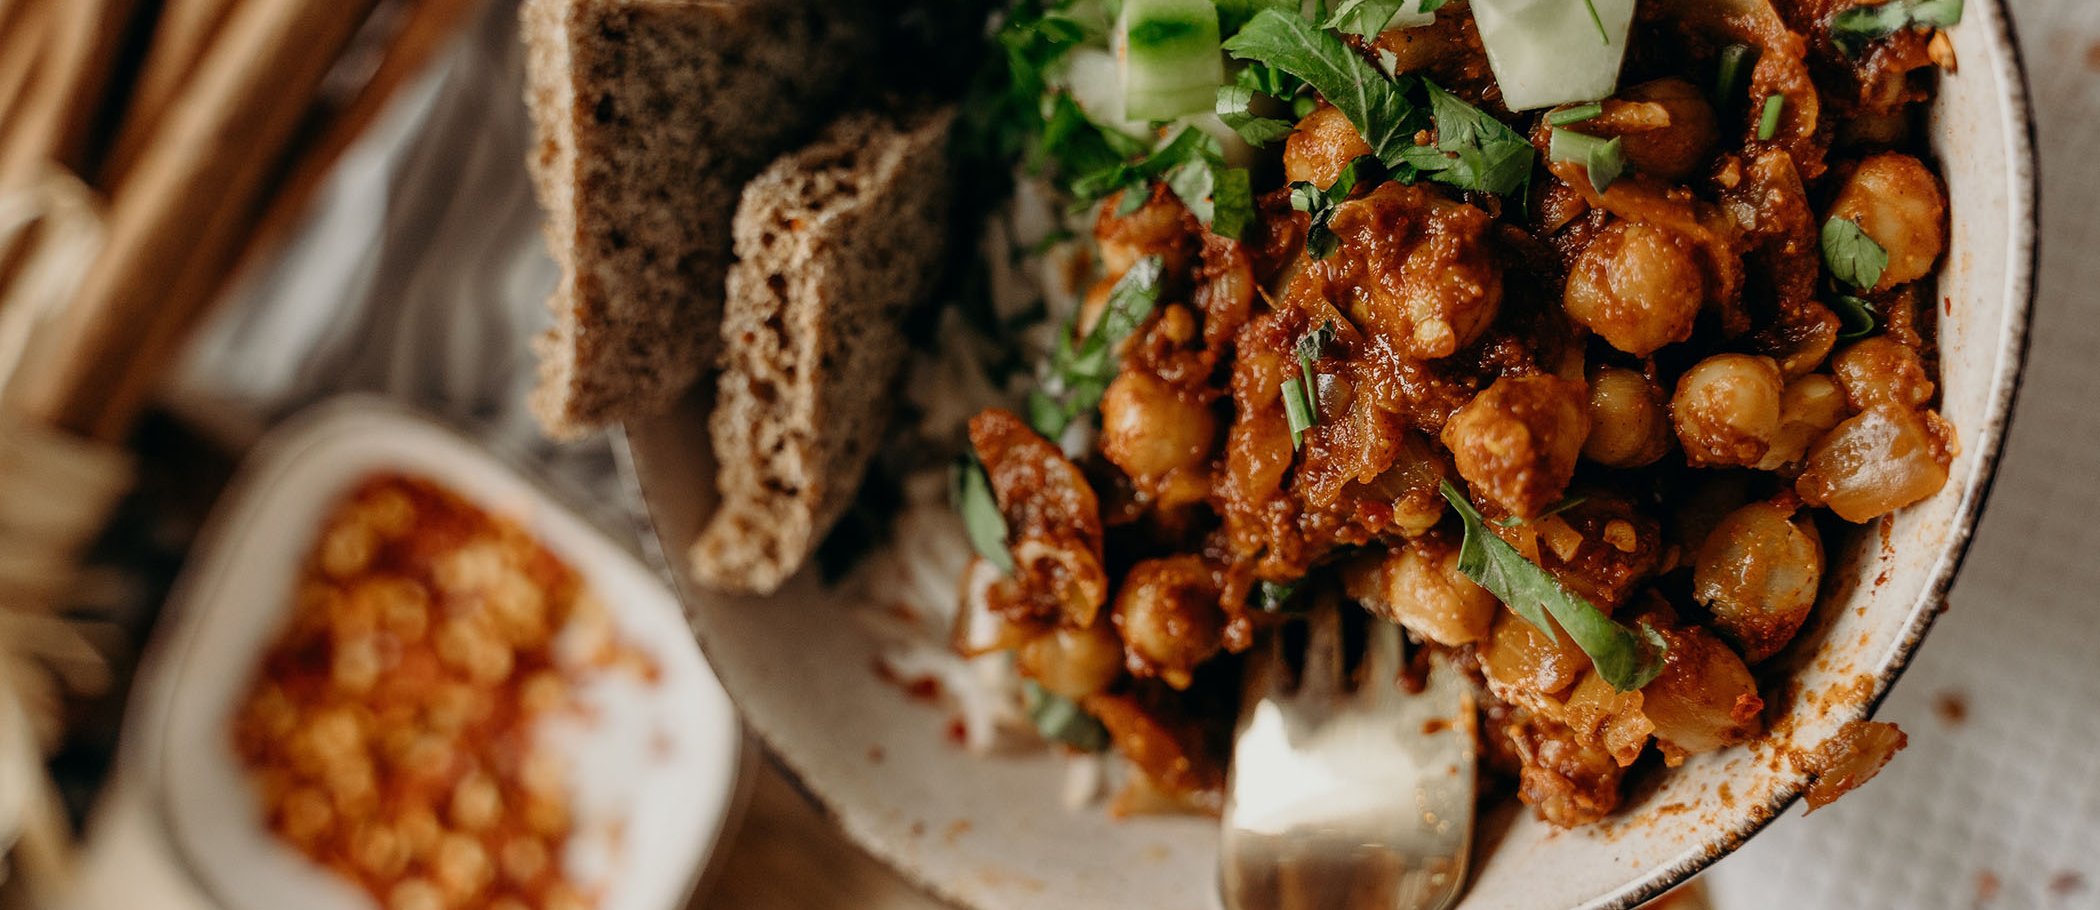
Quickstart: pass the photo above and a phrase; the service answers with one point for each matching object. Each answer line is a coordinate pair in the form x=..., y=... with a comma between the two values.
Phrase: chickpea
x=1160, y=227
x=1758, y=573
x=462, y=868
x=415, y=894
x=1882, y=371
x=1521, y=663
x=1677, y=143
x=1610, y=718
x=1417, y=585
x=1516, y=442
x=1637, y=285
x=1170, y=619
x=347, y=549
x=1323, y=144
x=1629, y=426
x=1897, y=201
x=379, y=850
x=1878, y=461
x=1810, y=406
x=1150, y=430
x=477, y=804
x=525, y=859
x=1074, y=663
x=1705, y=698
x=1727, y=410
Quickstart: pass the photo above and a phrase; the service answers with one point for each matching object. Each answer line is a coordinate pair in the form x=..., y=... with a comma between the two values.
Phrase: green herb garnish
x=1234, y=103
x=1571, y=115
x=1192, y=165
x=1301, y=403
x=1597, y=20
x=1276, y=598
x=1321, y=204
x=1297, y=409
x=1473, y=151
x=1857, y=317
x=1081, y=371
x=982, y=521
x=1060, y=719
x=1853, y=29
x=1625, y=659
x=1768, y=123
x=1854, y=258
x=1376, y=105
x=1605, y=160
x=1732, y=75
x=1369, y=18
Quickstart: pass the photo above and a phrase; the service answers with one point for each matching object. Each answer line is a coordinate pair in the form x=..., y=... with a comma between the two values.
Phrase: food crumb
x=876, y=755
x=955, y=830
x=2066, y=883
x=1986, y=887
x=2092, y=56
x=1952, y=708
x=1848, y=759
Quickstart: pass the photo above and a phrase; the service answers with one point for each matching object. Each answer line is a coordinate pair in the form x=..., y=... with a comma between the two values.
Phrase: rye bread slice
x=651, y=115
x=834, y=244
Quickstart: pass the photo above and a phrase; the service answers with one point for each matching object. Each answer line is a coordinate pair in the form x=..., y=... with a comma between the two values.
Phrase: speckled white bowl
x=991, y=834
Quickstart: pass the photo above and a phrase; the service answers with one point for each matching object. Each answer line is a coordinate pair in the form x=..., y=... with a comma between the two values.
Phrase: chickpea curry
x=1361, y=310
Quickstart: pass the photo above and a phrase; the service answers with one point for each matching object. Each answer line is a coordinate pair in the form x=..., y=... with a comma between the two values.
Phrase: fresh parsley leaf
x=1854, y=258
x=1060, y=719
x=1232, y=201
x=982, y=520
x=1768, y=122
x=1853, y=29
x=1474, y=151
x=1232, y=14
x=1363, y=18
x=1321, y=204
x=1857, y=317
x=1604, y=160
x=1571, y=115
x=1081, y=371
x=1234, y=103
x=1134, y=178
x=1625, y=659
x=1276, y=598
x=1376, y=105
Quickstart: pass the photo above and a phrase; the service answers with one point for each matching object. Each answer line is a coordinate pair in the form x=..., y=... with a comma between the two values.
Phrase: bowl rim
x=315, y=432
x=2022, y=267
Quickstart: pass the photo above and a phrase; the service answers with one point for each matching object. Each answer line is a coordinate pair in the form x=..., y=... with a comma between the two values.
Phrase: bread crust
x=834, y=243
x=650, y=116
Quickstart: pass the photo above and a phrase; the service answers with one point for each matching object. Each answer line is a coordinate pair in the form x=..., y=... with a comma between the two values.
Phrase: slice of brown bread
x=834, y=243
x=651, y=115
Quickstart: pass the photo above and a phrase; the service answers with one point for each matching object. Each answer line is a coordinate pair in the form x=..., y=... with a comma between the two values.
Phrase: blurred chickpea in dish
x=388, y=732
x=1898, y=203
x=1727, y=409
x=1169, y=617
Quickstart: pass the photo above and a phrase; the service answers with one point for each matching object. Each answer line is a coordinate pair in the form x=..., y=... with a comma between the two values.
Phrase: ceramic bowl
x=653, y=767
x=992, y=834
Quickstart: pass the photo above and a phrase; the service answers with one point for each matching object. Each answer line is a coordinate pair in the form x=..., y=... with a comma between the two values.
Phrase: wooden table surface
x=786, y=856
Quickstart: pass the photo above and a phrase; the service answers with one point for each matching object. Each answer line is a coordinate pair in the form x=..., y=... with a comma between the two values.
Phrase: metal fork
x=1348, y=797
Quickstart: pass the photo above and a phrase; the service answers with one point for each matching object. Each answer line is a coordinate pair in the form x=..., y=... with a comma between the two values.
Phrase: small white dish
x=654, y=768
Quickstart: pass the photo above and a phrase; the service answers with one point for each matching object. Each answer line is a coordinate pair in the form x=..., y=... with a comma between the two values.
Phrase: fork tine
x=1265, y=669
x=1382, y=660
x=1323, y=649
